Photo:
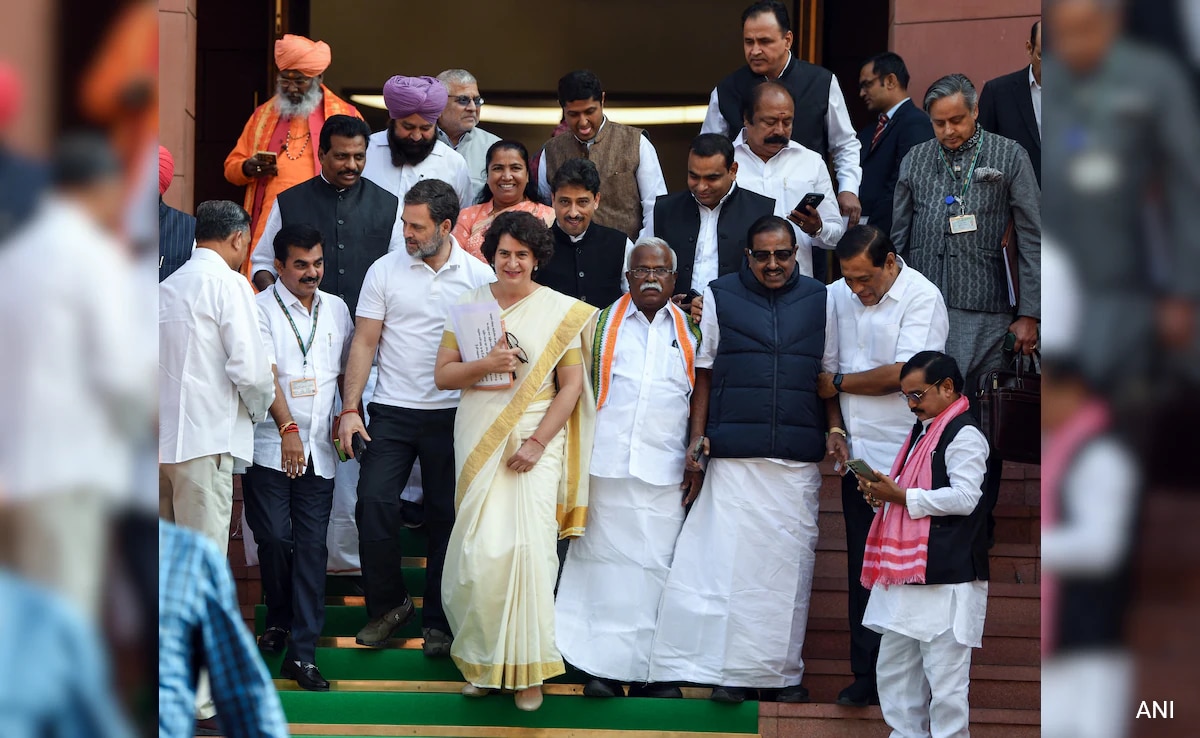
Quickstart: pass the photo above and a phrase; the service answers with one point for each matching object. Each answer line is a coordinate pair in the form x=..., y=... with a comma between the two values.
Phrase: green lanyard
x=299, y=342
x=962, y=196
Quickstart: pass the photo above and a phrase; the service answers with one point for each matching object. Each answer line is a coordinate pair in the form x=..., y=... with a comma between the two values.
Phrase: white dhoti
x=613, y=579
x=735, y=607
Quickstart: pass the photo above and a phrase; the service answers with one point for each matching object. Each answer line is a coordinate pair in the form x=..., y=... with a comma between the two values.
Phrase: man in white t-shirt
x=401, y=313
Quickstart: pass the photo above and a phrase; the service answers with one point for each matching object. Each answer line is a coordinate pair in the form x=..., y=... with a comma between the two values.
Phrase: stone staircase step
x=992, y=686
x=834, y=721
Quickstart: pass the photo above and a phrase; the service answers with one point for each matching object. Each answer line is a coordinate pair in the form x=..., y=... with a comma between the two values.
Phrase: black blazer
x=881, y=166
x=1006, y=108
x=677, y=221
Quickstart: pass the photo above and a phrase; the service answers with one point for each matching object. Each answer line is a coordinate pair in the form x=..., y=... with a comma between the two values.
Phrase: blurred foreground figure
x=74, y=375
x=22, y=180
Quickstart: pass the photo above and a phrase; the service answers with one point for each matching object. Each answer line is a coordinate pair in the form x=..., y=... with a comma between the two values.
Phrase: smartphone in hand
x=812, y=199
x=862, y=469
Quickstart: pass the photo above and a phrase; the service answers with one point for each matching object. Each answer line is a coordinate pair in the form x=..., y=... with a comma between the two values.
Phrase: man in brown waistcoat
x=630, y=174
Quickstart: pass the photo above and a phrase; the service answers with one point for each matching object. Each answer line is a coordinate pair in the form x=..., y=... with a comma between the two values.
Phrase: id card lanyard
x=963, y=222
x=296, y=331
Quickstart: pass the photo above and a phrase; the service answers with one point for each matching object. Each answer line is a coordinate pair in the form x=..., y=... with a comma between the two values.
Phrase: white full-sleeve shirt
x=443, y=163
x=214, y=374
x=324, y=362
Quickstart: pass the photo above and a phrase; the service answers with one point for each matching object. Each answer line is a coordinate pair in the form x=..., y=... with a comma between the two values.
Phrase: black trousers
x=864, y=642
x=400, y=436
x=290, y=520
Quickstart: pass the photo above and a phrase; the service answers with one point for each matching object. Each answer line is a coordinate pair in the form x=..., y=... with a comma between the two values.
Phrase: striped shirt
x=176, y=238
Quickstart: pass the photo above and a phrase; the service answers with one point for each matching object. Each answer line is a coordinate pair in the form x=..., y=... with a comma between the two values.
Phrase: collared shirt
x=787, y=177
x=891, y=113
x=1035, y=93
x=199, y=623
x=413, y=301
x=326, y=361
x=843, y=141
x=214, y=375
x=706, y=267
x=641, y=431
x=473, y=146
x=910, y=318
x=443, y=163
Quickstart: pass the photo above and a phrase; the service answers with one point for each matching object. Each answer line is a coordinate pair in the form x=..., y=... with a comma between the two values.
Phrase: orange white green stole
x=687, y=335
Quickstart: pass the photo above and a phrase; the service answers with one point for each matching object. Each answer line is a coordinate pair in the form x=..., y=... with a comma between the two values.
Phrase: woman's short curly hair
x=524, y=227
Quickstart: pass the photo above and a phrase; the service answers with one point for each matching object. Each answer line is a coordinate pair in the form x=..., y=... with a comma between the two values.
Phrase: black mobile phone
x=358, y=444
x=812, y=199
x=691, y=295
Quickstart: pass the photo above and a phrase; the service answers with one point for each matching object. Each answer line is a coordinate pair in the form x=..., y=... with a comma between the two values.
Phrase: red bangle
x=290, y=429
x=531, y=438
x=350, y=410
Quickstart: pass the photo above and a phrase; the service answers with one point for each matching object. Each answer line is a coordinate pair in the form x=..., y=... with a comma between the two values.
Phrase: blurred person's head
x=463, y=102
x=766, y=37
x=930, y=382
x=711, y=169
x=1083, y=31
x=414, y=105
x=651, y=274
x=508, y=180
x=868, y=262
x=771, y=251
x=576, y=195
x=224, y=227
x=342, y=149
x=1065, y=390
x=166, y=170
x=300, y=259
x=767, y=113
x=1033, y=47
x=430, y=212
x=86, y=171
x=582, y=100
x=883, y=82
x=953, y=106
x=301, y=63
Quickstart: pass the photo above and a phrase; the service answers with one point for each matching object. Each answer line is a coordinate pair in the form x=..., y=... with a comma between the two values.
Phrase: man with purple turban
x=409, y=150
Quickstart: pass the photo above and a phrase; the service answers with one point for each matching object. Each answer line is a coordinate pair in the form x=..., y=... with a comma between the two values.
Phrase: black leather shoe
x=305, y=674
x=730, y=695
x=273, y=642
x=656, y=690
x=794, y=693
x=603, y=688
x=861, y=693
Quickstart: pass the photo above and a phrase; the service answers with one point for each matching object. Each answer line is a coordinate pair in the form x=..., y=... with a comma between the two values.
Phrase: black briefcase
x=1010, y=404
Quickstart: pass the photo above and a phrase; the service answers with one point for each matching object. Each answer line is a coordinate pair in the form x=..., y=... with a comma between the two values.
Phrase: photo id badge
x=962, y=224
x=304, y=387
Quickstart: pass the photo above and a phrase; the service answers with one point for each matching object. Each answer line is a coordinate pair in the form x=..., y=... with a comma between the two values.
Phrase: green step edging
x=629, y=713
x=344, y=620
x=395, y=664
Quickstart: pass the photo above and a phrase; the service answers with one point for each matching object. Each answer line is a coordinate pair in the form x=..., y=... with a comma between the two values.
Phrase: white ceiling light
x=547, y=116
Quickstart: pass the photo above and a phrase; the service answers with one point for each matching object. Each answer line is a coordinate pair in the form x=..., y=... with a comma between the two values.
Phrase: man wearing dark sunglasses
x=756, y=414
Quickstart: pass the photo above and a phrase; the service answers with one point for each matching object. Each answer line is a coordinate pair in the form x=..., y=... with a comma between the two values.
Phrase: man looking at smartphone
x=878, y=316
x=772, y=164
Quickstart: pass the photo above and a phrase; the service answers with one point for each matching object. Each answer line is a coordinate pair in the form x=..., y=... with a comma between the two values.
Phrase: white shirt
x=1098, y=500
x=843, y=141
x=787, y=177
x=706, y=267
x=214, y=374
x=413, y=301
x=77, y=371
x=642, y=429
x=473, y=147
x=910, y=318
x=649, y=177
x=1035, y=92
x=926, y=611
x=325, y=362
x=891, y=113
x=263, y=257
x=443, y=163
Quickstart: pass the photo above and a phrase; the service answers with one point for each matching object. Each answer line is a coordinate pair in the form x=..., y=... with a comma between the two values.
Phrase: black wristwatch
x=837, y=382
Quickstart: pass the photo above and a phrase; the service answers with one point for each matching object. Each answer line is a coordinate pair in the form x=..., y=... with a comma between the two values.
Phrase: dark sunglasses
x=781, y=256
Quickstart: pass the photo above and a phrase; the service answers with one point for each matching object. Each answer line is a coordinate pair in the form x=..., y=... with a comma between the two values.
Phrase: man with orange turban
x=288, y=126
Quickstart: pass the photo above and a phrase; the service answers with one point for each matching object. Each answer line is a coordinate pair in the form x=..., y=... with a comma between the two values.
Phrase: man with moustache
x=409, y=150
x=402, y=311
x=726, y=619
x=289, y=126
x=357, y=218
x=307, y=333
x=642, y=379
x=458, y=127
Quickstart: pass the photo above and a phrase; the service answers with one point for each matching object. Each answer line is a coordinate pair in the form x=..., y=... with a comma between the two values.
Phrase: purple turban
x=404, y=96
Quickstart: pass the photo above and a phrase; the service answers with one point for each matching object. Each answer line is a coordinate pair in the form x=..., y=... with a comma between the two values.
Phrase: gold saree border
x=509, y=676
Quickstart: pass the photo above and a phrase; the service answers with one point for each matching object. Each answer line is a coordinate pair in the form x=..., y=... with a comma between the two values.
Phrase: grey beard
x=426, y=250
x=303, y=109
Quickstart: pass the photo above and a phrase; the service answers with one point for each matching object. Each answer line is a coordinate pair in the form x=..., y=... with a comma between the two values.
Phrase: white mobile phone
x=863, y=469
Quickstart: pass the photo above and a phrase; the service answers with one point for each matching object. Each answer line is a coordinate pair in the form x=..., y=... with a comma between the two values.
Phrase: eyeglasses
x=464, y=100
x=643, y=272
x=868, y=82
x=297, y=82
x=512, y=344
x=782, y=255
x=915, y=397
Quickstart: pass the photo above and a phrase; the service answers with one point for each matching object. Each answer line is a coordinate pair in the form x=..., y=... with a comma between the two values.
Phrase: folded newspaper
x=477, y=328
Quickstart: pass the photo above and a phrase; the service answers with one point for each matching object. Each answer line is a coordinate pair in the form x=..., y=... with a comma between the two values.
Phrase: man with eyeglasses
x=642, y=379
x=1011, y=105
x=278, y=145
x=880, y=314
x=926, y=560
x=458, y=127
x=735, y=607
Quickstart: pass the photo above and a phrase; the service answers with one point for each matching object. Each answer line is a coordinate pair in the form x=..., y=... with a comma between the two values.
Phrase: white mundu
x=635, y=503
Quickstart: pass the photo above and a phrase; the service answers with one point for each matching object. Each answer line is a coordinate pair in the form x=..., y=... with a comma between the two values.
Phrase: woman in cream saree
x=521, y=467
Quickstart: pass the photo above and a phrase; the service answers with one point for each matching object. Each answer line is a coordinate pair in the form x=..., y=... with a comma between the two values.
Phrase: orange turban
x=305, y=56
x=11, y=93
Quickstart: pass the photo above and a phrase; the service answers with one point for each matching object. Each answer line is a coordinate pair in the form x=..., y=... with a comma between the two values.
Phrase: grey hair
x=457, y=77
x=217, y=220
x=950, y=85
x=656, y=243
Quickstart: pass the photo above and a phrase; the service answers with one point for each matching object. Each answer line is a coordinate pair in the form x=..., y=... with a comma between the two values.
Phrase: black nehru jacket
x=677, y=221
x=809, y=85
x=356, y=224
x=590, y=269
